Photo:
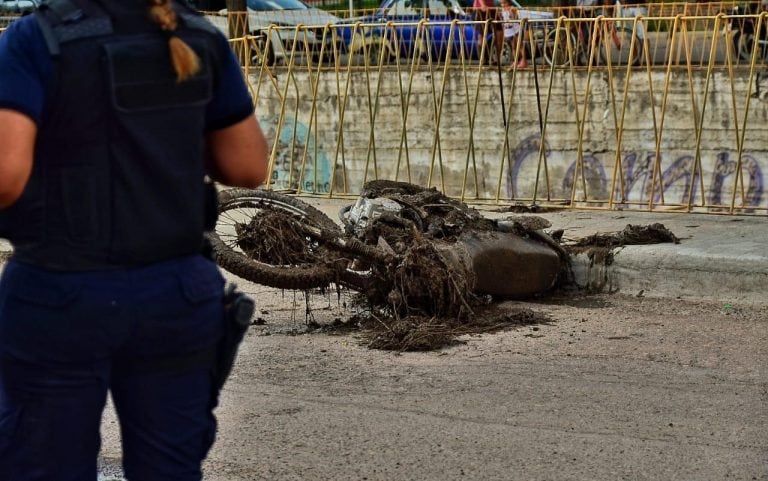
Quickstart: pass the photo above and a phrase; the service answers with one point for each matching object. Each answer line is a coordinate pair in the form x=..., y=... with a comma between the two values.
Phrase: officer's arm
x=237, y=155
x=17, y=145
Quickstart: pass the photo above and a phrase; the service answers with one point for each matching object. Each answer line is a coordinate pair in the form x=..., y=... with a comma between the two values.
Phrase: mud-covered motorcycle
x=401, y=245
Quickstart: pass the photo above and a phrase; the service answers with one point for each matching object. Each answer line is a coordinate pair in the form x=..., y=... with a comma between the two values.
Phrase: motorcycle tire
x=239, y=206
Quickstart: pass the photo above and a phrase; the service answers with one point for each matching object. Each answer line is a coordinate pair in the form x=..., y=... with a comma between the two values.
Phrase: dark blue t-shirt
x=26, y=77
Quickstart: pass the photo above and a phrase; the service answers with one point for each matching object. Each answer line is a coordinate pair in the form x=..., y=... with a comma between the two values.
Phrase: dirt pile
x=631, y=235
x=425, y=284
x=599, y=247
x=422, y=333
x=429, y=212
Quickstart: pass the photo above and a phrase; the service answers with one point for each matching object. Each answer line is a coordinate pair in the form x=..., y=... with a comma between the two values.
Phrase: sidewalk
x=720, y=258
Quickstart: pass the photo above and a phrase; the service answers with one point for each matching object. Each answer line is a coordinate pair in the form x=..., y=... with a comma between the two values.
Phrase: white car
x=284, y=16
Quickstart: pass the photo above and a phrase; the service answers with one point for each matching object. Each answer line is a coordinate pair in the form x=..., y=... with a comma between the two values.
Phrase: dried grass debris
x=273, y=237
x=424, y=283
x=424, y=333
x=631, y=235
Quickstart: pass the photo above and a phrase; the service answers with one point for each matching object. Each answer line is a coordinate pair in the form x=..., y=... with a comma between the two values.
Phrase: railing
x=657, y=9
x=565, y=41
x=654, y=122
x=663, y=112
x=5, y=20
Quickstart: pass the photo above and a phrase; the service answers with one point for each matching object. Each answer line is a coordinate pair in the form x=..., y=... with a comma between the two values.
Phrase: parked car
x=18, y=7
x=394, y=28
x=744, y=31
x=10, y=10
x=284, y=16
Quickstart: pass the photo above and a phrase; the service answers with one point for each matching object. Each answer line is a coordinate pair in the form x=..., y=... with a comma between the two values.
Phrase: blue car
x=423, y=28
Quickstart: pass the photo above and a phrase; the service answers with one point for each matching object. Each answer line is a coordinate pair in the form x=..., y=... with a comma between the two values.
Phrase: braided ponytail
x=184, y=59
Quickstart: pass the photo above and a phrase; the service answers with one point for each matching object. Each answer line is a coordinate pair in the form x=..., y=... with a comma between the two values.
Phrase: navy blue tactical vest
x=118, y=176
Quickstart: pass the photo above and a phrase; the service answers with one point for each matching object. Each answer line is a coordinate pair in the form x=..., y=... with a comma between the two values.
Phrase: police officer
x=112, y=113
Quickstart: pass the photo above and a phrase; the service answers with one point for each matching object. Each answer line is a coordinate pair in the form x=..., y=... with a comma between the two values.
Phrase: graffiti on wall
x=298, y=164
x=677, y=183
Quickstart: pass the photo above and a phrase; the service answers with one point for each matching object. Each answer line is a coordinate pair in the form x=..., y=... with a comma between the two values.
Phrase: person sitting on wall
x=485, y=11
x=512, y=30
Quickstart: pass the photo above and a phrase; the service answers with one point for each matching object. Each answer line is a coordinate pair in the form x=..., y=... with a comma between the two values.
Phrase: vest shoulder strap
x=193, y=19
x=198, y=22
x=63, y=21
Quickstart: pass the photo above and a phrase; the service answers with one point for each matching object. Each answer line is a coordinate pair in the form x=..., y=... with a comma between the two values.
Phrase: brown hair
x=184, y=59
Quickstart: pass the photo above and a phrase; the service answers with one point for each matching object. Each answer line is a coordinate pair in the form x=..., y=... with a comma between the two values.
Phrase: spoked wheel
x=744, y=43
x=261, y=51
x=556, y=47
x=262, y=236
x=617, y=48
x=507, y=54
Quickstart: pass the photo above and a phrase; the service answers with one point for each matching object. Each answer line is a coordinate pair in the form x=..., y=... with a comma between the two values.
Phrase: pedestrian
x=512, y=30
x=485, y=11
x=112, y=113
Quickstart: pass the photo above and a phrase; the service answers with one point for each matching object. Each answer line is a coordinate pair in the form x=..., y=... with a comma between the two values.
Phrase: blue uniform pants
x=66, y=339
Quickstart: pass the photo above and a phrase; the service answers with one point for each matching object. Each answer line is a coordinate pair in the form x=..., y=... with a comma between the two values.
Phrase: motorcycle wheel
x=556, y=45
x=238, y=208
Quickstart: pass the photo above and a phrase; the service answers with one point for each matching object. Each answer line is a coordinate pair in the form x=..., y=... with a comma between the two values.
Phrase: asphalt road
x=610, y=388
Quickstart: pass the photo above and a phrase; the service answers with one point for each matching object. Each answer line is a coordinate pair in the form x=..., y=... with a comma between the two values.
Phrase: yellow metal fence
x=653, y=113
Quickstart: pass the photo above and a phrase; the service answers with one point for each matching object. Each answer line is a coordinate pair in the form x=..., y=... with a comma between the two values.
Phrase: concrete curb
x=719, y=258
x=677, y=271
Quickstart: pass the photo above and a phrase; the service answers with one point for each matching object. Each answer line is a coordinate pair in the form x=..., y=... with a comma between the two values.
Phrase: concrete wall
x=353, y=128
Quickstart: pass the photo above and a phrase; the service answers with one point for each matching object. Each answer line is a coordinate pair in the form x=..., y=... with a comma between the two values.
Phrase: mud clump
x=529, y=208
x=428, y=301
x=422, y=333
x=425, y=284
x=275, y=238
x=432, y=212
x=631, y=235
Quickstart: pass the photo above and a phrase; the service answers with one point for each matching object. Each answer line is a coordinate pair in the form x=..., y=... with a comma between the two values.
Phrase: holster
x=211, y=214
x=238, y=310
